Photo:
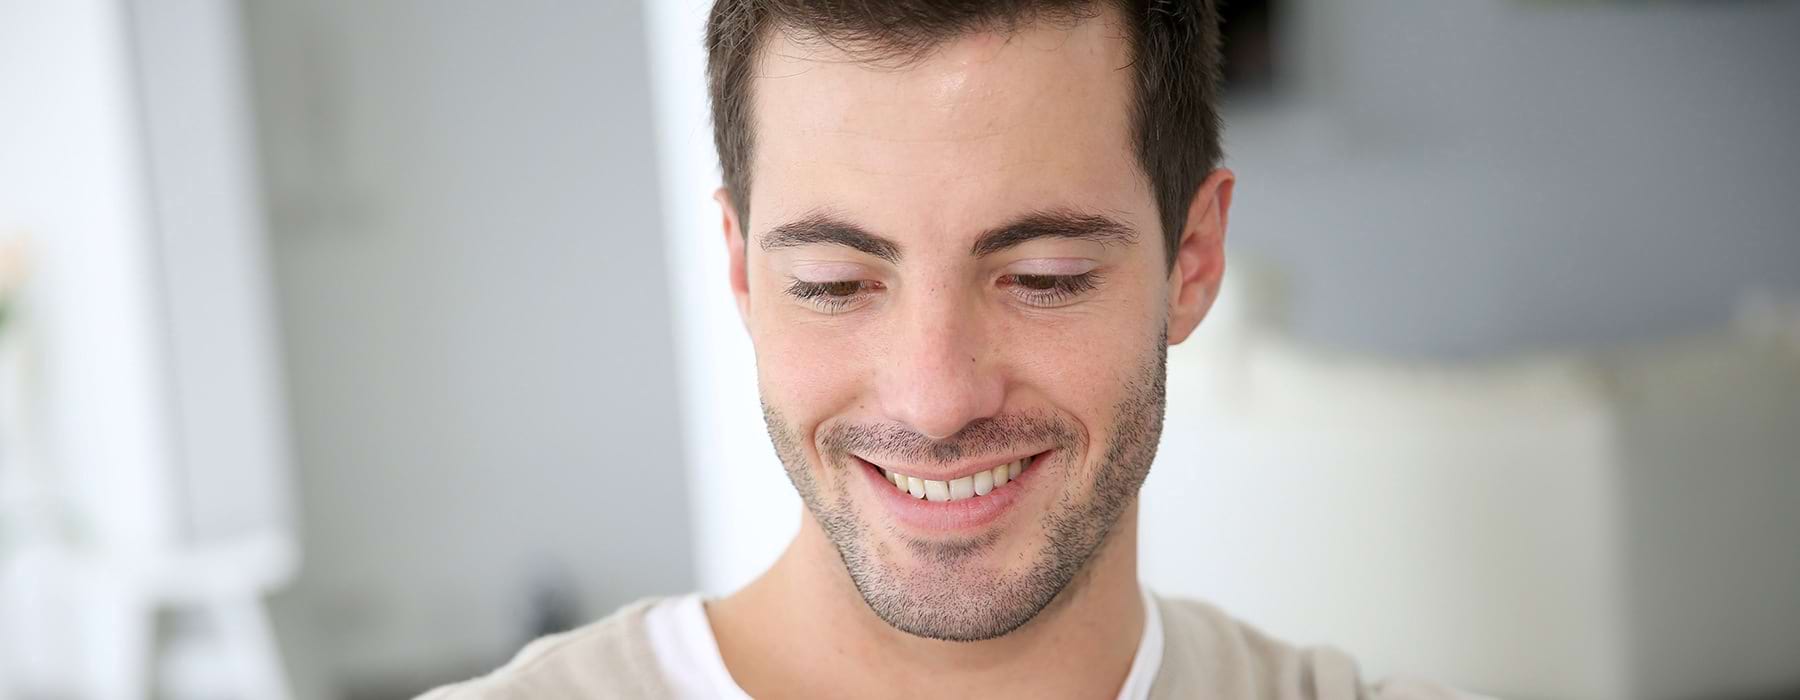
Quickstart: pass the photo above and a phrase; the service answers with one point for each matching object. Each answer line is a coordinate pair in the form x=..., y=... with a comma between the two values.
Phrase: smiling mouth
x=975, y=485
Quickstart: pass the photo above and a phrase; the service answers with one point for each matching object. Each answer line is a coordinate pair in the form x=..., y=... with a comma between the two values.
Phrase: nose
x=940, y=372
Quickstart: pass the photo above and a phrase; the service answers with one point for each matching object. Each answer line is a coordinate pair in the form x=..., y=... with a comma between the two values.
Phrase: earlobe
x=736, y=261
x=1200, y=255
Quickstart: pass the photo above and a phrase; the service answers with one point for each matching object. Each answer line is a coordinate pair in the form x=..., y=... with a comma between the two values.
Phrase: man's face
x=955, y=272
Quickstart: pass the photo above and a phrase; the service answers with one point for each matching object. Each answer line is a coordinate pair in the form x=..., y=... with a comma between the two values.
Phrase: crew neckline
x=688, y=656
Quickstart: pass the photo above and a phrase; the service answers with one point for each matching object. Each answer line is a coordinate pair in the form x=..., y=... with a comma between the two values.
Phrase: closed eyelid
x=1052, y=266
x=828, y=271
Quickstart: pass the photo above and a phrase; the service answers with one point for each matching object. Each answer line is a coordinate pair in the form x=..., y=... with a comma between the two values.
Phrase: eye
x=831, y=297
x=1050, y=290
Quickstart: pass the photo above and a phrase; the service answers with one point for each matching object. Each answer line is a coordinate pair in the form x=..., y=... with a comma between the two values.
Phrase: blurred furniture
x=155, y=407
x=1612, y=524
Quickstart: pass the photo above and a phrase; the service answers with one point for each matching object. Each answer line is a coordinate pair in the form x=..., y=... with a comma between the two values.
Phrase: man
x=962, y=236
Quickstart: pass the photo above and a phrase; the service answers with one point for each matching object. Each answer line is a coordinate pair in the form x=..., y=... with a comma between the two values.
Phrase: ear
x=734, y=247
x=1200, y=255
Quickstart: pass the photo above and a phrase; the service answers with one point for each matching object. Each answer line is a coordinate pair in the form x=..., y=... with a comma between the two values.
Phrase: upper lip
x=948, y=473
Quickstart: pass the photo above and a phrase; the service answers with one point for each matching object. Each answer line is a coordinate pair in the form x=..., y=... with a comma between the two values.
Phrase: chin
x=973, y=602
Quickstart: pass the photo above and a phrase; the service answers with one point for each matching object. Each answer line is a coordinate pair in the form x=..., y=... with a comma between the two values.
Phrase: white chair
x=1612, y=524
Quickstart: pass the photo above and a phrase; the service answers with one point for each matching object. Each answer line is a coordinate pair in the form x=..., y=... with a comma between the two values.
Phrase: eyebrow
x=829, y=228
x=1054, y=223
x=825, y=227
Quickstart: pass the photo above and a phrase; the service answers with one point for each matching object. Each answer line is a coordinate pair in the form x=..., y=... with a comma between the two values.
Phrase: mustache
x=981, y=437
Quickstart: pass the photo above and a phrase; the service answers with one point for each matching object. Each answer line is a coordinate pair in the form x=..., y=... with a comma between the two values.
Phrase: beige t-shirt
x=1205, y=654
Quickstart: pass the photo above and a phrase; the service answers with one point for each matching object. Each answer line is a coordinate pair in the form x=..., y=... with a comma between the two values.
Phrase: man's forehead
x=982, y=127
x=959, y=79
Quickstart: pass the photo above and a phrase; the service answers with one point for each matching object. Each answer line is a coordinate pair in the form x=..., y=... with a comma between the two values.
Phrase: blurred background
x=345, y=346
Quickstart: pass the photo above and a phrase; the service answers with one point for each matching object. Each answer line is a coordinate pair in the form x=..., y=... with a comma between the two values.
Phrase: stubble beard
x=955, y=597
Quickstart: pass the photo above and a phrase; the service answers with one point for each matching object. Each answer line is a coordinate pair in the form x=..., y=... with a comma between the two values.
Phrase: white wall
x=472, y=294
x=72, y=178
x=152, y=410
x=230, y=442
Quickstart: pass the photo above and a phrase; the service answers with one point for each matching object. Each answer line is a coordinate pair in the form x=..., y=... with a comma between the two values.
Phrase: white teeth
x=980, y=483
x=962, y=488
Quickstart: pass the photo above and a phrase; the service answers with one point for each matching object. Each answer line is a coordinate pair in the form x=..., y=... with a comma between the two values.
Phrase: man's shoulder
x=611, y=657
x=1209, y=653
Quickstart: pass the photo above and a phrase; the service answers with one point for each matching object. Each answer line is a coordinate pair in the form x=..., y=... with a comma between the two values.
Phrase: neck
x=803, y=630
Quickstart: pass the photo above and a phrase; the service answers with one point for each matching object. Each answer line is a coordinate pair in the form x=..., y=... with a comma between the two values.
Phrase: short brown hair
x=1175, y=52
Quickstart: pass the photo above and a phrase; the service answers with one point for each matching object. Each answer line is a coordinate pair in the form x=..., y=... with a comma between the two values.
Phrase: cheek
x=1083, y=378
x=808, y=370
x=1084, y=367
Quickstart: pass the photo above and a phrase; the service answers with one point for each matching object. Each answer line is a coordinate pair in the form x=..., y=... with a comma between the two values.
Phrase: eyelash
x=1036, y=290
x=823, y=296
x=1052, y=290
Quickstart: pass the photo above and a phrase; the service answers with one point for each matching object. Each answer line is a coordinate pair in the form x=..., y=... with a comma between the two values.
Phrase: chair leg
x=246, y=632
x=121, y=627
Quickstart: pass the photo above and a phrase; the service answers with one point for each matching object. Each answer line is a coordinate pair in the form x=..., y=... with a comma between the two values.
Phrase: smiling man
x=962, y=237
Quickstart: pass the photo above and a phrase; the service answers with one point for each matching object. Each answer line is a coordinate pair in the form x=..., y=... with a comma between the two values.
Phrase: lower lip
x=949, y=516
